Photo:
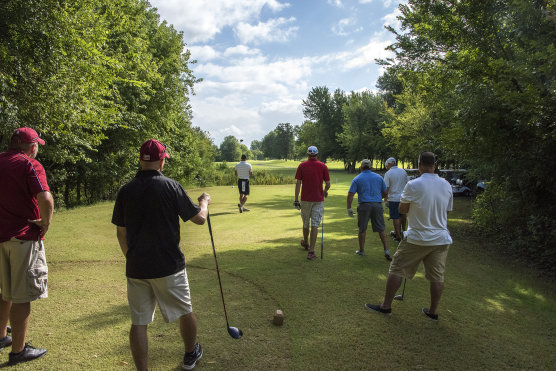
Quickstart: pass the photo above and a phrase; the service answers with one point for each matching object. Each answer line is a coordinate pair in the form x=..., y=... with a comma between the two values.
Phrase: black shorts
x=372, y=211
x=243, y=186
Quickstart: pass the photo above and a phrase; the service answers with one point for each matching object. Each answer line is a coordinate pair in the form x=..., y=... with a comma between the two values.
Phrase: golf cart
x=459, y=189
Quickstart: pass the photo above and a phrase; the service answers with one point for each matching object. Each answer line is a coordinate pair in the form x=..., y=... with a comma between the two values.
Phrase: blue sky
x=260, y=58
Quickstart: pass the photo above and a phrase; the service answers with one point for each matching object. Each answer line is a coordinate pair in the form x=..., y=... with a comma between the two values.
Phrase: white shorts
x=170, y=292
x=23, y=271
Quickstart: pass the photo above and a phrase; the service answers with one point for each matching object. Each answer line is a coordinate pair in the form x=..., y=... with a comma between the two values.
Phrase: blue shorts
x=394, y=212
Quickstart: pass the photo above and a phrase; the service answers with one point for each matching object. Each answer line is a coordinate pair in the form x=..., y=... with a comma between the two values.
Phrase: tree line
x=97, y=78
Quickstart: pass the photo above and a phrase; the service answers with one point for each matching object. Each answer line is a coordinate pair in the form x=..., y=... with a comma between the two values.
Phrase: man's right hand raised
x=205, y=196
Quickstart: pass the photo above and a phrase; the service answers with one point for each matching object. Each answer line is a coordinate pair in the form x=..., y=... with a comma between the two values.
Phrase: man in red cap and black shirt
x=26, y=207
x=147, y=213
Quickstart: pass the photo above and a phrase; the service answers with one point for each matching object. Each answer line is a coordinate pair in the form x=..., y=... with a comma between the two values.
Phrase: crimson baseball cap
x=153, y=150
x=28, y=135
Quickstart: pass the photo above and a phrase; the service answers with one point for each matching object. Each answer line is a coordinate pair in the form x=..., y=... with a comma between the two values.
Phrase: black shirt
x=149, y=206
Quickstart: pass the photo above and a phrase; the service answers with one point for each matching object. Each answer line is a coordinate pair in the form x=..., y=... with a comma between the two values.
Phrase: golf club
x=233, y=331
x=400, y=297
x=322, y=238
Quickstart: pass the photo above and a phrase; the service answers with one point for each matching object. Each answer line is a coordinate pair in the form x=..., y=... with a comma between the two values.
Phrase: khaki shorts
x=311, y=213
x=23, y=271
x=408, y=256
x=170, y=292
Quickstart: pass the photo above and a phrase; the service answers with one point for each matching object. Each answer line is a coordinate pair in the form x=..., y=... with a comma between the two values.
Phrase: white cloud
x=203, y=53
x=337, y=3
x=283, y=105
x=255, y=73
x=202, y=20
x=392, y=20
x=266, y=31
x=343, y=24
x=241, y=50
x=365, y=55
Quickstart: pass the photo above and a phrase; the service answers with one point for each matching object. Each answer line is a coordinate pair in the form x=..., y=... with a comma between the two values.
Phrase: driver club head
x=235, y=332
x=398, y=297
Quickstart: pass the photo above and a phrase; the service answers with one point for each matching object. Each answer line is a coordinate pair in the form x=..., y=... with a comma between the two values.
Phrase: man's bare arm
x=326, y=188
x=201, y=217
x=297, y=189
x=350, y=199
x=46, y=207
x=121, y=233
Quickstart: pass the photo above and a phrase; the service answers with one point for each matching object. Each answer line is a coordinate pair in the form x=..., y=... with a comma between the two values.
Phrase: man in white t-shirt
x=243, y=171
x=395, y=179
x=426, y=201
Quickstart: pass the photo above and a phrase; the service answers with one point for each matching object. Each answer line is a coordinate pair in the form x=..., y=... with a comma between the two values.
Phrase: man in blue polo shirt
x=370, y=189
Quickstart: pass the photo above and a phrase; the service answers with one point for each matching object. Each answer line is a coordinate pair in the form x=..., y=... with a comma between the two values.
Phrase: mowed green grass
x=493, y=315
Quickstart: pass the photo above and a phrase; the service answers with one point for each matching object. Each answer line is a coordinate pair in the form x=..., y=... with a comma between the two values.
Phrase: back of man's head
x=23, y=139
x=312, y=151
x=366, y=164
x=427, y=159
x=243, y=157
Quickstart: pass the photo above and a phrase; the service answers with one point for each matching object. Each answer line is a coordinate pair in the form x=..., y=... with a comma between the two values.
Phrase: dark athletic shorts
x=243, y=186
x=394, y=209
x=372, y=211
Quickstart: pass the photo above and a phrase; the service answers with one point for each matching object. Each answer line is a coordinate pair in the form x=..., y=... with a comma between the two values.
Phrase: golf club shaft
x=322, y=238
x=217, y=270
x=403, y=290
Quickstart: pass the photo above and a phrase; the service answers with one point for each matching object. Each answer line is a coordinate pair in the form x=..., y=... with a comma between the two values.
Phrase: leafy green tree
x=97, y=78
x=269, y=145
x=361, y=135
x=306, y=134
x=325, y=109
x=482, y=78
x=256, y=151
x=230, y=149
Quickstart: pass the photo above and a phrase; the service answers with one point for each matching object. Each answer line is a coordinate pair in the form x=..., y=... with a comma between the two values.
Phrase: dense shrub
x=520, y=227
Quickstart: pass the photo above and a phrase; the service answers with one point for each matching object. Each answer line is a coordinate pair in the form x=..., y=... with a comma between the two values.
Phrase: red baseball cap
x=153, y=150
x=28, y=135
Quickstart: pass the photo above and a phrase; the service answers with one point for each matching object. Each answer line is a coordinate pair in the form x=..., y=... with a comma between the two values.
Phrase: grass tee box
x=493, y=314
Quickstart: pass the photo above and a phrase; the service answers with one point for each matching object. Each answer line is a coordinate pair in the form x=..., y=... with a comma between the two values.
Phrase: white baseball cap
x=312, y=150
x=391, y=161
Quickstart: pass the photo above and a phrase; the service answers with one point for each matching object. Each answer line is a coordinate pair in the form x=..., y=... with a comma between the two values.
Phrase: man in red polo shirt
x=25, y=213
x=311, y=174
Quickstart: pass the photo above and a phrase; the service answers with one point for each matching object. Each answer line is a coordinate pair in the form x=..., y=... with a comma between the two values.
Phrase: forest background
x=472, y=81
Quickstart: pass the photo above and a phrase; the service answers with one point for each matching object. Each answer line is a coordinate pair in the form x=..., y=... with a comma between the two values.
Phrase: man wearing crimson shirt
x=311, y=174
x=25, y=213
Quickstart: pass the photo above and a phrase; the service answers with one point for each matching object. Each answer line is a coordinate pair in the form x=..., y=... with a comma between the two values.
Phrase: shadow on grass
x=323, y=301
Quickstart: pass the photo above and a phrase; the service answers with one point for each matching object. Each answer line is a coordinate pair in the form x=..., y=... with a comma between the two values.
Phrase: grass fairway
x=493, y=315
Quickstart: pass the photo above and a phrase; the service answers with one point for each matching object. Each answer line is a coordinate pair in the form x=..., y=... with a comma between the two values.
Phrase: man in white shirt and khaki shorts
x=426, y=201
